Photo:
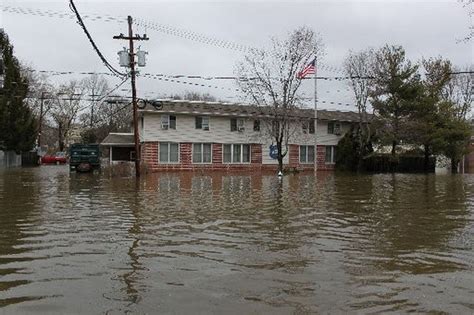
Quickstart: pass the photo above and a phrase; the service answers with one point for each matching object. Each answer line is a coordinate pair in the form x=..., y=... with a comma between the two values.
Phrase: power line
x=60, y=14
x=81, y=23
x=113, y=114
x=159, y=27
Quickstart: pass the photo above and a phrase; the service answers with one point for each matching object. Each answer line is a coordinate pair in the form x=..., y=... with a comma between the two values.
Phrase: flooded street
x=238, y=243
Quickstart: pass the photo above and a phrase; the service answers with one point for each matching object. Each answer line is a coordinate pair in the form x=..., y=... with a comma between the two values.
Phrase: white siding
x=266, y=159
x=219, y=132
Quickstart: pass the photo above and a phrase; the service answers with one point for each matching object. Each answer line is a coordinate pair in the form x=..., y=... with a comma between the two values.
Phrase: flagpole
x=315, y=112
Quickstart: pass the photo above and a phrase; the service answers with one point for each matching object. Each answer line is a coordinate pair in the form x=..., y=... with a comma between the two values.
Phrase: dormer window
x=202, y=122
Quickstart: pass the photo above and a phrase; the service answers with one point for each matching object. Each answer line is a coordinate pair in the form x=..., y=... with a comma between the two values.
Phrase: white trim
x=202, y=152
x=117, y=144
x=299, y=154
x=333, y=155
x=169, y=152
x=337, y=128
x=202, y=122
x=241, y=153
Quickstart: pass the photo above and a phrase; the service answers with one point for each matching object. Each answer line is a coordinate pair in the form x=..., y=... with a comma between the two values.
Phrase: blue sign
x=273, y=151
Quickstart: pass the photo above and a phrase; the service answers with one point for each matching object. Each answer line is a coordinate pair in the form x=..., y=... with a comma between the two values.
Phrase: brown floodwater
x=200, y=243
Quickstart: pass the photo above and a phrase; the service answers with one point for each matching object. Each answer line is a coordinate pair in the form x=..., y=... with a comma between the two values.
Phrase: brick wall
x=469, y=159
x=150, y=154
x=322, y=165
x=294, y=158
x=256, y=153
x=217, y=154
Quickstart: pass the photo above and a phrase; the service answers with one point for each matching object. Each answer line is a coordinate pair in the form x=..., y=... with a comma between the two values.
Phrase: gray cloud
x=424, y=28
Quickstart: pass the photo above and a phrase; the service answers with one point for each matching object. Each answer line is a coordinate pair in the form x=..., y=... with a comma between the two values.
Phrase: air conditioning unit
x=205, y=127
x=241, y=128
x=164, y=126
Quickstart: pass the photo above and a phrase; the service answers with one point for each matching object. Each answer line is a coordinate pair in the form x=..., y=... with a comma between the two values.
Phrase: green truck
x=84, y=157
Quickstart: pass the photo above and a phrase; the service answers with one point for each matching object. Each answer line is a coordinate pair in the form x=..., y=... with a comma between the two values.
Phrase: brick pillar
x=186, y=155
x=217, y=153
x=150, y=154
x=294, y=156
x=321, y=155
x=256, y=153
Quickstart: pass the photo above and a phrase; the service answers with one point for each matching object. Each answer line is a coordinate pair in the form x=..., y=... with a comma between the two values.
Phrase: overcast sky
x=48, y=41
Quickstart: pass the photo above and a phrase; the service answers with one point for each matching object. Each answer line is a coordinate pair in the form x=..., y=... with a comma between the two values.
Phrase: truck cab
x=84, y=157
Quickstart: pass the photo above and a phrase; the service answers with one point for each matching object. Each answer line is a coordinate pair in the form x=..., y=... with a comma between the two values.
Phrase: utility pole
x=315, y=111
x=93, y=101
x=40, y=123
x=132, y=38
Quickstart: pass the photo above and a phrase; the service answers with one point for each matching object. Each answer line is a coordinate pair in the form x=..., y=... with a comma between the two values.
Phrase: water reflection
x=243, y=242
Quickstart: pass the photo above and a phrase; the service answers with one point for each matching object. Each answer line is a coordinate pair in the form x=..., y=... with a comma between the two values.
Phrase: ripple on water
x=244, y=242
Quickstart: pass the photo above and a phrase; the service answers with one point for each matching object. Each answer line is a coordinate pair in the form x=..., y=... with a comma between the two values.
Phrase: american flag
x=309, y=69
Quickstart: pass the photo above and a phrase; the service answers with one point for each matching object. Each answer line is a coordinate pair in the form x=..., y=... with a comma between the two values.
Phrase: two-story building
x=190, y=135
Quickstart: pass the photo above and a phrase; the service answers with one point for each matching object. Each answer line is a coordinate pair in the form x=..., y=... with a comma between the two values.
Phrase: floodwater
x=205, y=243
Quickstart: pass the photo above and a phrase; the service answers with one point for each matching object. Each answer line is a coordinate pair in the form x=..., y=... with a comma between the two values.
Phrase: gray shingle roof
x=118, y=139
x=238, y=110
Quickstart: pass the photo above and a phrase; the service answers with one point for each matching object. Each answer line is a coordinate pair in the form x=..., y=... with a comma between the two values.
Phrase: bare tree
x=95, y=87
x=67, y=105
x=110, y=116
x=40, y=90
x=268, y=77
x=460, y=91
x=359, y=66
x=469, y=6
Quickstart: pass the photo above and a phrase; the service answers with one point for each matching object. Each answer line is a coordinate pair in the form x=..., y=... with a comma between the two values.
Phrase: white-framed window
x=334, y=128
x=202, y=152
x=330, y=154
x=169, y=152
x=306, y=154
x=256, y=125
x=237, y=124
x=236, y=153
x=168, y=122
x=308, y=126
x=202, y=122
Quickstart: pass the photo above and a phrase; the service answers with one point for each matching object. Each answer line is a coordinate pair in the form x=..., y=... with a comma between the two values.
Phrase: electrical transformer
x=124, y=58
x=141, y=58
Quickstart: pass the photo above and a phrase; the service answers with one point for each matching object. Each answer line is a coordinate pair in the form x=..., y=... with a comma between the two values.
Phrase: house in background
x=120, y=146
x=73, y=135
x=192, y=135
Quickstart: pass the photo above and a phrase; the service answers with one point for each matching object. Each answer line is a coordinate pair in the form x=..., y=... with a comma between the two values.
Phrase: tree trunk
x=454, y=166
x=394, y=146
x=426, y=162
x=280, y=164
x=280, y=157
x=60, y=137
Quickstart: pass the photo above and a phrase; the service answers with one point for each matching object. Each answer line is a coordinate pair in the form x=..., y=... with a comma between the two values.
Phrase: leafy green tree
x=396, y=86
x=427, y=118
x=18, y=128
x=453, y=135
x=347, y=158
